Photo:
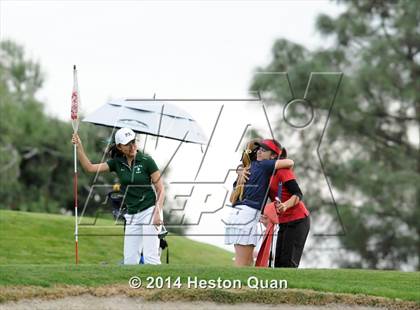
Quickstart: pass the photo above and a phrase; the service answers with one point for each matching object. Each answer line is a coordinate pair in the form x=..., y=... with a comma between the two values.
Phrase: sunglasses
x=263, y=149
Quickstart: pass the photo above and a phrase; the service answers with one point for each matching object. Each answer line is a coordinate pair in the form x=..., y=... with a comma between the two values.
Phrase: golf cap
x=124, y=135
x=270, y=145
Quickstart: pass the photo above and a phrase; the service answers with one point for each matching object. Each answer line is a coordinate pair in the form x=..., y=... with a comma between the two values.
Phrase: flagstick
x=75, y=101
x=76, y=232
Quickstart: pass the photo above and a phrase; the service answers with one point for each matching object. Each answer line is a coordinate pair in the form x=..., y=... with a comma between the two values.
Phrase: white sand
x=88, y=302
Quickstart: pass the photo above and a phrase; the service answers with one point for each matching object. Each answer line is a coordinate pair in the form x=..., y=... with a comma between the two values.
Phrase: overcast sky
x=176, y=49
x=138, y=48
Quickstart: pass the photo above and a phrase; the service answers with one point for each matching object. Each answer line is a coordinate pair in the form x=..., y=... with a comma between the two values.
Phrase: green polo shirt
x=136, y=181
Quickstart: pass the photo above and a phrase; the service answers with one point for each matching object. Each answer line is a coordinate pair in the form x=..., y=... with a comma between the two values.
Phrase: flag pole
x=76, y=230
x=75, y=101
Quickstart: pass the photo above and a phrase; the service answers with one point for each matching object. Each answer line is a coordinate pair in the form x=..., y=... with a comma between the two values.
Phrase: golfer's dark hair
x=283, y=150
x=283, y=153
x=113, y=151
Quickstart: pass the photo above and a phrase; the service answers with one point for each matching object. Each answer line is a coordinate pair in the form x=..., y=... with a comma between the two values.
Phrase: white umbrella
x=152, y=117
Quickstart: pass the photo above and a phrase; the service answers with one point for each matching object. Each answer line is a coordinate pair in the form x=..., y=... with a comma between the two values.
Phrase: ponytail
x=113, y=151
x=283, y=153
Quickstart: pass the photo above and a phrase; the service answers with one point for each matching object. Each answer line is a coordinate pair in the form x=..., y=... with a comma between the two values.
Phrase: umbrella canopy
x=155, y=118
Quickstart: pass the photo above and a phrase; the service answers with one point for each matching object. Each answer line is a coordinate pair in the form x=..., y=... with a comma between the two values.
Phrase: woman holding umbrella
x=137, y=173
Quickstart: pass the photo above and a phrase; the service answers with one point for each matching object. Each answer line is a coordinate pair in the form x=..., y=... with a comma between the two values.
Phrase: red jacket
x=297, y=212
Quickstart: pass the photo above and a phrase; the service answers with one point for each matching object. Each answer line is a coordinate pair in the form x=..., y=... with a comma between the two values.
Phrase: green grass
x=38, y=250
x=391, y=284
x=38, y=238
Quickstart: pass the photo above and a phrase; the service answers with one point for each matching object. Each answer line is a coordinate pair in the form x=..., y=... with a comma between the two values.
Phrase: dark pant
x=290, y=242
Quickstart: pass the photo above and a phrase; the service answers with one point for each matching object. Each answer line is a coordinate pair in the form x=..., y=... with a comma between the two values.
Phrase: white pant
x=141, y=235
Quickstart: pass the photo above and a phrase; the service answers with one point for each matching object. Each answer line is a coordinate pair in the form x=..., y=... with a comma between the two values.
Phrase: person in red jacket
x=293, y=217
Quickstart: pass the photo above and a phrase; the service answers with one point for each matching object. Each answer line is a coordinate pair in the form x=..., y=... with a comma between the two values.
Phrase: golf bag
x=118, y=212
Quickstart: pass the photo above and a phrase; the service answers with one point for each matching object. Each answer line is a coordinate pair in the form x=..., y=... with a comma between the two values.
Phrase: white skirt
x=241, y=225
